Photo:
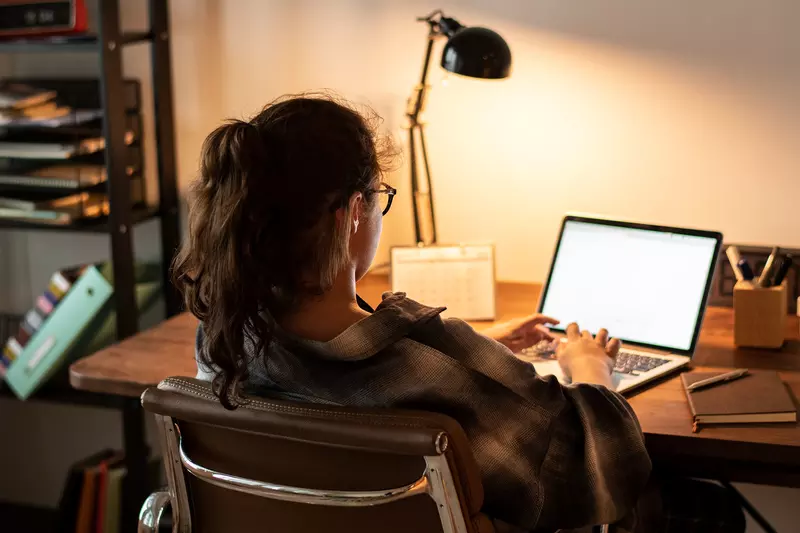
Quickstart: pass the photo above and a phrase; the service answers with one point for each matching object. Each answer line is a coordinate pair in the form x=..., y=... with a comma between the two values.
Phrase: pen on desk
x=766, y=274
x=744, y=268
x=734, y=258
x=722, y=378
x=786, y=264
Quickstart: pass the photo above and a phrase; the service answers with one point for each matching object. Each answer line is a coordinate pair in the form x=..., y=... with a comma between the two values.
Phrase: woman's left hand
x=521, y=333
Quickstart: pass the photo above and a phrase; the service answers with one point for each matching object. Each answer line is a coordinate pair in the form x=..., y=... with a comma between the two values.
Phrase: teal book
x=52, y=342
x=83, y=322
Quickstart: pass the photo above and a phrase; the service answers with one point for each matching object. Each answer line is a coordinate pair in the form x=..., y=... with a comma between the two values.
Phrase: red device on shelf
x=40, y=18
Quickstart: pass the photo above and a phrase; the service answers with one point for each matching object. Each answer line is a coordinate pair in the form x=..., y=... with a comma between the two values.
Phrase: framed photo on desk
x=460, y=277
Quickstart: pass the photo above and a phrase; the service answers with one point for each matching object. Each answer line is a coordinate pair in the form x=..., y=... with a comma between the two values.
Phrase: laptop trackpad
x=552, y=368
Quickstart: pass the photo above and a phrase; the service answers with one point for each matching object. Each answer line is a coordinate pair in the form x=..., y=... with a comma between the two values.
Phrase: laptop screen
x=646, y=285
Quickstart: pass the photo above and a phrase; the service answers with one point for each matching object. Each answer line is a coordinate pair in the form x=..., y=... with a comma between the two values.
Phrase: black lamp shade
x=477, y=53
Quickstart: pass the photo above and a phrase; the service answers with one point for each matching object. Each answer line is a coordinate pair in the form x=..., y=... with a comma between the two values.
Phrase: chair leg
x=751, y=510
x=150, y=514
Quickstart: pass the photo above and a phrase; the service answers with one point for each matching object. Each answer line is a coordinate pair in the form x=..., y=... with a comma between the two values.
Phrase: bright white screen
x=643, y=286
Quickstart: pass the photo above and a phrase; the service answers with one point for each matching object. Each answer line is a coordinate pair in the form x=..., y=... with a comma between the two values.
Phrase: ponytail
x=211, y=271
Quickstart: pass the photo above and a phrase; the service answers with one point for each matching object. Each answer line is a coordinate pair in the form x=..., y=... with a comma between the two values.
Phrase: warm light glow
x=642, y=112
x=580, y=126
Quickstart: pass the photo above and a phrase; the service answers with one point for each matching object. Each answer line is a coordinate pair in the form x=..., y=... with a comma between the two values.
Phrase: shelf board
x=59, y=392
x=95, y=225
x=70, y=43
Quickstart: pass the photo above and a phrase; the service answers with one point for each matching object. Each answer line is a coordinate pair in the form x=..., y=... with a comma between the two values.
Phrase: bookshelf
x=64, y=394
x=82, y=43
x=107, y=43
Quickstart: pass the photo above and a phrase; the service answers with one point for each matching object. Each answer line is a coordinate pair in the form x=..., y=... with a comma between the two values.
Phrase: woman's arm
x=554, y=456
x=596, y=466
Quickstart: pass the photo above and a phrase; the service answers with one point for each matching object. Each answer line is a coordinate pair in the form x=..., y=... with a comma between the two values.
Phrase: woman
x=286, y=217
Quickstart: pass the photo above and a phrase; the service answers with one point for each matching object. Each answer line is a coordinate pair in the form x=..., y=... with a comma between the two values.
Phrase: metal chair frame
x=436, y=481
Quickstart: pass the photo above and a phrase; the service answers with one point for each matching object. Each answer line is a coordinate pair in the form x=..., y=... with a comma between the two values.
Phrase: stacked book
x=52, y=155
x=21, y=104
x=56, y=211
x=92, y=497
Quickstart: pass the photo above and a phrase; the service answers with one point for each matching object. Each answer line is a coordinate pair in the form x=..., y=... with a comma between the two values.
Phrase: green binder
x=82, y=323
x=44, y=352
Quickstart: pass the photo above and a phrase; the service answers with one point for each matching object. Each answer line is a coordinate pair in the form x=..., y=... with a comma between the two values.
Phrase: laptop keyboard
x=634, y=363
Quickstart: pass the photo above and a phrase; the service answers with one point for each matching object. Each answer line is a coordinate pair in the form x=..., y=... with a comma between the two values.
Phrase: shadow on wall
x=735, y=34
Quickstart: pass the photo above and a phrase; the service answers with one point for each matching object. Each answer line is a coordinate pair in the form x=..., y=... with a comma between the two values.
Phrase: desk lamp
x=470, y=51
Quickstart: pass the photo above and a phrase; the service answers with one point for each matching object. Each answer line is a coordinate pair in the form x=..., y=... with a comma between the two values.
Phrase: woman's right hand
x=587, y=359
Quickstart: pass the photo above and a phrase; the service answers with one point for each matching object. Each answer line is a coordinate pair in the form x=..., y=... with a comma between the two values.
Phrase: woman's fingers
x=602, y=337
x=543, y=319
x=612, y=348
x=573, y=332
x=541, y=333
x=586, y=335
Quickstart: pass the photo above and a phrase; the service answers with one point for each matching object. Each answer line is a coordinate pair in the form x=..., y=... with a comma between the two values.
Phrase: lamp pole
x=421, y=189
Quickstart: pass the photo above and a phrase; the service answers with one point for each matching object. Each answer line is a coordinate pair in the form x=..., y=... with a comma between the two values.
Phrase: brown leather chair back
x=282, y=466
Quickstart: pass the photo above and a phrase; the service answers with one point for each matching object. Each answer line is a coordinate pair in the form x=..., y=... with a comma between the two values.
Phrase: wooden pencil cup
x=759, y=315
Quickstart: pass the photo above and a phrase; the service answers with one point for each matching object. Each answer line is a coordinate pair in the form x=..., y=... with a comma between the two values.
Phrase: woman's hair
x=263, y=233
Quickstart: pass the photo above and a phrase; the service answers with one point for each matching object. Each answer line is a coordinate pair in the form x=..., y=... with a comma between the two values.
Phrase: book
x=69, y=503
x=65, y=176
x=87, y=502
x=11, y=351
x=759, y=397
x=32, y=150
x=100, y=501
x=20, y=205
x=59, y=284
x=42, y=111
x=54, y=340
x=59, y=211
x=83, y=322
x=113, y=509
x=105, y=468
x=57, y=150
x=70, y=118
x=15, y=95
x=79, y=205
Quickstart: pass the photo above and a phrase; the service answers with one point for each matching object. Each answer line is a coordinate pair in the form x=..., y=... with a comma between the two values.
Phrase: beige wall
x=679, y=112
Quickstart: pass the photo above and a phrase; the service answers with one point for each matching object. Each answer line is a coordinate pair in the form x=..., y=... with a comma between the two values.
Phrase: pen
x=786, y=264
x=744, y=268
x=722, y=378
x=766, y=274
x=734, y=258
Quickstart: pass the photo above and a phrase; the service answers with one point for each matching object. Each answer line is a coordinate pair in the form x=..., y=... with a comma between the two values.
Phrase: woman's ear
x=355, y=209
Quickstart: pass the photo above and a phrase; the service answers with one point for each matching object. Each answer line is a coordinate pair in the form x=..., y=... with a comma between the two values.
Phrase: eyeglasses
x=386, y=201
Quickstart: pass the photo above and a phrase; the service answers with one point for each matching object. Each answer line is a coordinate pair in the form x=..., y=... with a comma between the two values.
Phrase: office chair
x=274, y=465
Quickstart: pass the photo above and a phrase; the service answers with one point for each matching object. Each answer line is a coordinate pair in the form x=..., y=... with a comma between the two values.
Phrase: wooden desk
x=767, y=454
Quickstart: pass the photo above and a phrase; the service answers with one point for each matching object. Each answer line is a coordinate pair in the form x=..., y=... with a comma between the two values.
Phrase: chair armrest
x=150, y=514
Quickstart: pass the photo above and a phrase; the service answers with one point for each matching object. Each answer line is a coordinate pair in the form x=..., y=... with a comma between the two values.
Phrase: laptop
x=647, y=285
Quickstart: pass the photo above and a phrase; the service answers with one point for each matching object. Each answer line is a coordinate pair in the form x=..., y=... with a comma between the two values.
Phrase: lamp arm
x=417, y=100
x=416, y=104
